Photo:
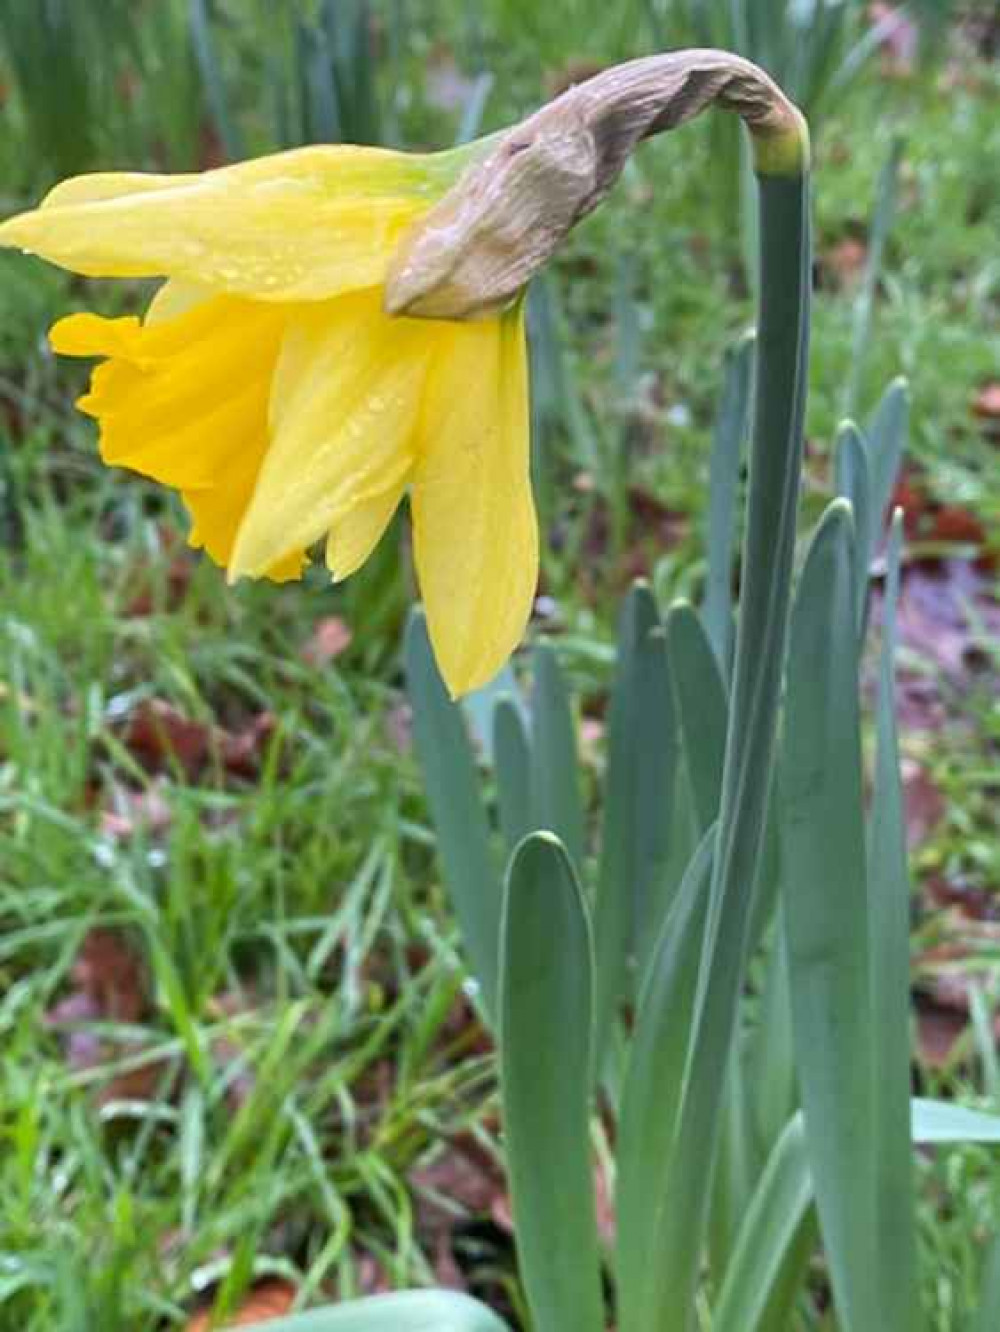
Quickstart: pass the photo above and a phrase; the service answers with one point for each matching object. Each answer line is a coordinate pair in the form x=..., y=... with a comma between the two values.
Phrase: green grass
x=304, y=1040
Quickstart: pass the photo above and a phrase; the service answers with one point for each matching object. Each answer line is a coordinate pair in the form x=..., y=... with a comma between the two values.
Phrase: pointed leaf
x=854, y=483
x=825, y=913
x=886, y=436
x=454, y=794
x=555, y=784
x=724, y=477
x=889, y=932
x=637, y=802
x=512, y=762
x=702, y=710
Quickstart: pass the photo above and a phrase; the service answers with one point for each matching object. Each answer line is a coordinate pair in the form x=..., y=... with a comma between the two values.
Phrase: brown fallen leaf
x=158, y=734
x=986, y=403
x=131, y=812
x=328, y=640
x=938, y=1030
x=924, y=804
x=110, y=986
x=111, y=974
x=266, y=1301
x=240, y=752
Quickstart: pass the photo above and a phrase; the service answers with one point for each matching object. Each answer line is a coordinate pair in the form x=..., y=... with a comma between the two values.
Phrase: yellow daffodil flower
x=267, y=384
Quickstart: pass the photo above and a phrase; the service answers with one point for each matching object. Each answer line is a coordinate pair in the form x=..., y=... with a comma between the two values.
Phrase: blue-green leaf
x=723, y=486
x=825, y=912
x=854, y=484
x=512, y=763
x=944, y=1121
x=889, y=934
x=637, y=799
x=770, y=1225
x=702, y=710
x=546, y=1052
x=651, y=1098
x=405, y=1311
x=557, y=803
x=455, y=798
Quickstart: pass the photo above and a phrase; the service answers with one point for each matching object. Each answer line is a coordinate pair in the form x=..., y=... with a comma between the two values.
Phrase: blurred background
x=239, y=1064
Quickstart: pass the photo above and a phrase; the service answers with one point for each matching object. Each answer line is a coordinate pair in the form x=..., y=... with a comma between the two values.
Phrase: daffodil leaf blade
x=546, y=1056
x=512, y=763
x=402, y=1311
x=555, y=779
x=454, y=794
x=825, y=913
x=770, y=1226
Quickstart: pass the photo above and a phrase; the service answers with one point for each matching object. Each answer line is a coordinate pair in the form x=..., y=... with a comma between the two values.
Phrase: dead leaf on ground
x=986, y=405
x=110, y=972
x=938, y=1030
x=899, y=38
x=130, y=812
x=924, y=804
x=328, y=640
x=945, y=613
x=267, y=1300
x=158, y=734
x=462, y=1183
x=110, y=984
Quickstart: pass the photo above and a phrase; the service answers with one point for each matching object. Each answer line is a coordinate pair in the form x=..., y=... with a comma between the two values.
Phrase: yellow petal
x=185, y=401
x=343, y=413
x=92, y=335
x=302, y=225
x=172, y=299
x=474, y=528
x=359, y=531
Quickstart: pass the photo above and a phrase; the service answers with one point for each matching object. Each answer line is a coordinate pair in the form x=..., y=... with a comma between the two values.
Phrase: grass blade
x=546, y=1029
x=987, y=1317
x=555, y=779
x=452, y=784
x=825, y=911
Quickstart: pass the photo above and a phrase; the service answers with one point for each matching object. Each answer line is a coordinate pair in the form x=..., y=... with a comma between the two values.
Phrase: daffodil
x=269, y=386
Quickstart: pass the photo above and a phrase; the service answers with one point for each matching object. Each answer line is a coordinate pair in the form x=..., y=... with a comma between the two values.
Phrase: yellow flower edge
x=268, y=386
